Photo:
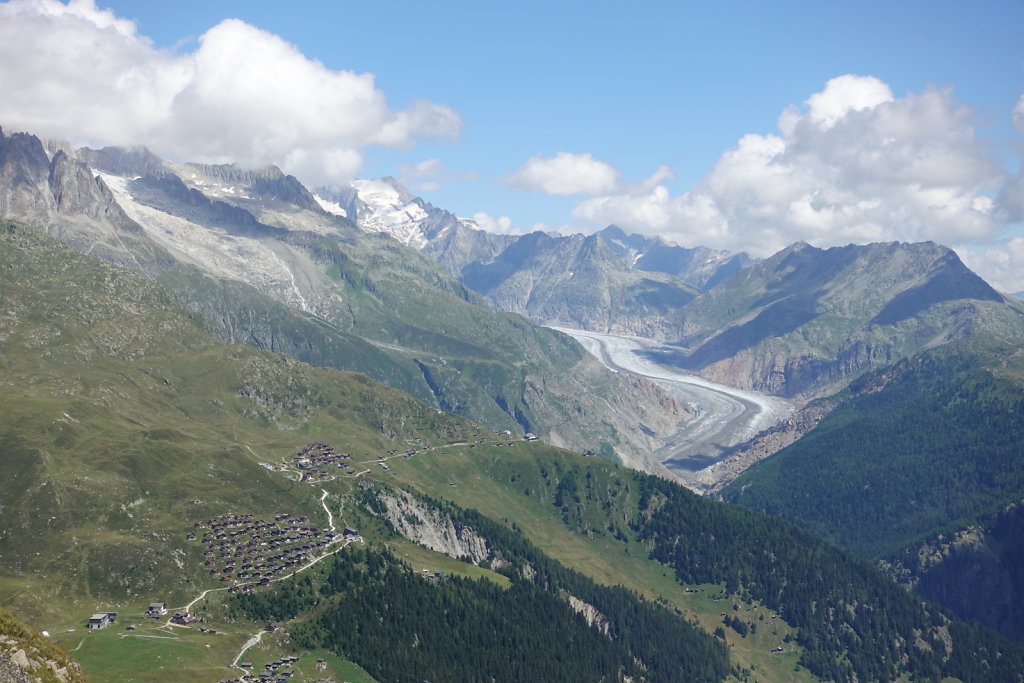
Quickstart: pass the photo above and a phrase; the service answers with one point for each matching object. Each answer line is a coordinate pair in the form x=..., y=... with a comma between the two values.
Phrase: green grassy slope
x=114, y=455
x=627, y=529
x=122, y=418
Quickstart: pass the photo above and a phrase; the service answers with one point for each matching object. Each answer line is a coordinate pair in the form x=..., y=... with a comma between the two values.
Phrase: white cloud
x=1018, y=114
x=844, y=94
x=853, y=164
x=661, y=174
x=428, y=168
x=566, y=174
x=1002, y=266
x=423, y=176
x=497, y=224
x=243, y=95
x=429, y=175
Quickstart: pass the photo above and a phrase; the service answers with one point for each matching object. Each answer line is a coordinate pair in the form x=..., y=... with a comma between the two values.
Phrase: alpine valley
x=254, y=431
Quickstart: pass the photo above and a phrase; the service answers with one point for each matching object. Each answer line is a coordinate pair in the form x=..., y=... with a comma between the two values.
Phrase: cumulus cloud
x=1002, y=265
x=1018, y=114
x=423, y=176
x=852, y=164
x=429, y=175
x=566, y=174
x=497, y=224
x=842, y=95
x=242, y=95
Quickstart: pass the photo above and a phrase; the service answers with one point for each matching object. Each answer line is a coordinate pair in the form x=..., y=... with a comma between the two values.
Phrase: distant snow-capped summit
x=385, y=205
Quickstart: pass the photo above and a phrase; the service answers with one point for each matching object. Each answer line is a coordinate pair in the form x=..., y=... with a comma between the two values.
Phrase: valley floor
x=725, y=416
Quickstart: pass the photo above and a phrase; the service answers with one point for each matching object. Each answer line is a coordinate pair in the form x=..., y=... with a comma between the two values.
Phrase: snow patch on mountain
x=330, y=207
x=388, y=207
x=385, y=205
x=209, y=186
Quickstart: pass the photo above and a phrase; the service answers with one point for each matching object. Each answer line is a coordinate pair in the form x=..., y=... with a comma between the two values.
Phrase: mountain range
x=799, y=324
x=172, y=334
x=141, y=452
x=605, y=282
x=804, y=323
x=254, y=253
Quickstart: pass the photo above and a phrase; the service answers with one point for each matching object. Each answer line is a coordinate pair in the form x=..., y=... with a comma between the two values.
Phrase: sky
x=743, y=126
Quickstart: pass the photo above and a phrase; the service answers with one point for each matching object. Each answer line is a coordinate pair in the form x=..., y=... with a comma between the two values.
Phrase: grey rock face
x=806, y=321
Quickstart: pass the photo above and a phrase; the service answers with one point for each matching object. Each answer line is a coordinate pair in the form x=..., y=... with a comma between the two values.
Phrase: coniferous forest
x=853, y=622
x=400, y=626
x=923, y=448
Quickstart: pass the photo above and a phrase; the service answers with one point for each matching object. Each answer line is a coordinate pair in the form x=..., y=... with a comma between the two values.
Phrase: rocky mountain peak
x=234, y=181
x=385, y=205
x=806, y=320
x=131, y=162
x=24, y=174
x=236, y=173
x=24, y=159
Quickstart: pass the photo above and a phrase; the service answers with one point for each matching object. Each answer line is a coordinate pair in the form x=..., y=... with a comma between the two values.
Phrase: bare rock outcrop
x=27, y=656
x=432, y=528
x=590, y=613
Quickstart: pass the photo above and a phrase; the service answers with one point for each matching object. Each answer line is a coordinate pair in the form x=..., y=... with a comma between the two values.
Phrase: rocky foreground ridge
x=26, y=656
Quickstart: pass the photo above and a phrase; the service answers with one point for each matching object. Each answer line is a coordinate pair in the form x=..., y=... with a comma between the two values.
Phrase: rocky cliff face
x=806, y=321
x=24, y=172
x=431, y=528
x=589, y=613
x=63, y=197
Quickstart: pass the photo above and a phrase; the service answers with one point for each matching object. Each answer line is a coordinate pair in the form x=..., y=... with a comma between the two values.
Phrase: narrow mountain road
x=253, y=641
x=330, y=515
x=202, y=595
x=258, y=636
x=725, y=416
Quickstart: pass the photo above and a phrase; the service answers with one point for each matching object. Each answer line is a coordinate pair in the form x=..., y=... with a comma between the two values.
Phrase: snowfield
x=725, y=416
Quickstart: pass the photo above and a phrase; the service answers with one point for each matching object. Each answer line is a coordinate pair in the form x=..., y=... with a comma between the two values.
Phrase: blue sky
x=662, y=116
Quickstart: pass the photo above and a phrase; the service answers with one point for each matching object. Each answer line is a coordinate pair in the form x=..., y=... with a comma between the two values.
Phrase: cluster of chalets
x=250, y=552
x=316, y=457
x=277, y=670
